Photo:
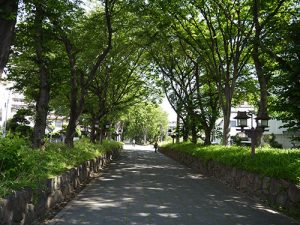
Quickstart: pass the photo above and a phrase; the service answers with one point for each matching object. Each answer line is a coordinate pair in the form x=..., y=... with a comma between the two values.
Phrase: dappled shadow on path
x=148, y=188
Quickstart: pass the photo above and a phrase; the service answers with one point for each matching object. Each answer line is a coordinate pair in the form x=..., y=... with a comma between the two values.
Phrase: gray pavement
x=144, y=188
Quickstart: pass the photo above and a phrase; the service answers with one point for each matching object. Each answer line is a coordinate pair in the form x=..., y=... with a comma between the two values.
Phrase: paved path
x=148, y=188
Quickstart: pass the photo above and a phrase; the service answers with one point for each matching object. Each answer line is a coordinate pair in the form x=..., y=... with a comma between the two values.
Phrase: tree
x=20, y=123
x=219, y=32
x=285, y=86
x=145, y=122
x=38, y=62
x=8, y=18
x=81, y=78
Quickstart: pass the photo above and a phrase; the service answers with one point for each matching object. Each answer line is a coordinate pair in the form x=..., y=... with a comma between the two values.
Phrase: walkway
x=148, y=188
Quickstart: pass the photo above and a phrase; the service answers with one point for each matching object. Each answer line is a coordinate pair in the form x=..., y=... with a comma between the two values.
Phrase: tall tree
x=219, y=31
x=8, y=18
x=44, y=86
x=81, y=76
x=262, y=26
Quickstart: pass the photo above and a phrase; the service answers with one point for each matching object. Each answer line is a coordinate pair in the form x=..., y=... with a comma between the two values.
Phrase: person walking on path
x=155, y=146
x=133, y=142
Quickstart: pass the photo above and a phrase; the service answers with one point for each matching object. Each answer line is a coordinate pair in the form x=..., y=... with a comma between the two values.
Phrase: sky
x=168, y=108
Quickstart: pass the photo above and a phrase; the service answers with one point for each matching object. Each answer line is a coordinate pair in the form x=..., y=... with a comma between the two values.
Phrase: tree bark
x=194, y=133
x=226, y=123
x=8, y=18
x=186, y=130
x=177, y=129
x=42, y=103
x=207, y=140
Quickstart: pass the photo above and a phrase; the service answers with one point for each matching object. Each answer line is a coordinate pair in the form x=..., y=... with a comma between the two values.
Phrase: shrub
x=277, y=163
x=11, y=157
x=26, y=167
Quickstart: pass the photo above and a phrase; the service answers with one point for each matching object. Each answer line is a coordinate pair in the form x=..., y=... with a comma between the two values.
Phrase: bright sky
x=168, y=108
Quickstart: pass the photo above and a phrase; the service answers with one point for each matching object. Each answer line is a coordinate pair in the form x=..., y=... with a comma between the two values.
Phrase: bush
x=24, y=167
x=277, y=163
x=11, y=155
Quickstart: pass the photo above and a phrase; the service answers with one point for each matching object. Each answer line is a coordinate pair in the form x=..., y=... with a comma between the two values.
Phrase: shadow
x=144, y=187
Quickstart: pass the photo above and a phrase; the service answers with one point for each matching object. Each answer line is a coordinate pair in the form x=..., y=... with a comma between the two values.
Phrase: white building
x=10, y=103
x=282, y=136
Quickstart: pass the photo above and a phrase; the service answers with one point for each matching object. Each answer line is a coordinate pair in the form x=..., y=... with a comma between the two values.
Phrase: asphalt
x=144, y=188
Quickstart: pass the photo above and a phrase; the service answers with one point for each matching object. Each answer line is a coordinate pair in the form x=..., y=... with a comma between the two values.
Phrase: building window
x=17, y=100
x=58, y=124
x=232, y=123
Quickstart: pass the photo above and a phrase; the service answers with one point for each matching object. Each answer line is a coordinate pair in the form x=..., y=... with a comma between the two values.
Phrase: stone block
x=251, y=178
x=294, y=193
x=275, y=187
x=40, y=202
x=52, y=184
x=66, y=190
x=29, y=214
x=244, y=183
x=233, y=172
x=282, y=199
x=6, y=213
x=54, y=198
x=266, y=185
x=284, y=184
x=18, y=203
x=257, y=183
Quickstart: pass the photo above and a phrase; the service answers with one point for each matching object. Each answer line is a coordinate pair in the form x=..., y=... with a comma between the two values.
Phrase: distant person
x=133, y=142
x=155, y=146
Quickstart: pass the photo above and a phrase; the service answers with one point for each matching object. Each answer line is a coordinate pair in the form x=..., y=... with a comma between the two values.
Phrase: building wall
x=281, y=134
x=10, y=103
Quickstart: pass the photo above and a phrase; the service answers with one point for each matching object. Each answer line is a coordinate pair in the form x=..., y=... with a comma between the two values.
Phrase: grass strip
x=28, y=168
x=271, y=162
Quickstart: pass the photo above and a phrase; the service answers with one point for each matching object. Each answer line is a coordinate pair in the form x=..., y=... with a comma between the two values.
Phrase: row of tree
x=63, y=61
x=213, y=54
x=205, y=55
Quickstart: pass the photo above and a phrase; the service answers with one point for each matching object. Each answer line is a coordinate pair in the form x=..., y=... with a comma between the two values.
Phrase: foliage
x=20, y=124
x=145, y=122
x=270, y=162
x=11, y=149
x=285, y=85
x=22, y=166
x=270, y=139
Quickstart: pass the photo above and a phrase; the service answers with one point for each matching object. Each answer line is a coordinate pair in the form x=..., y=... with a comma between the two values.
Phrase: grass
x=32, y=167
x=277, y=163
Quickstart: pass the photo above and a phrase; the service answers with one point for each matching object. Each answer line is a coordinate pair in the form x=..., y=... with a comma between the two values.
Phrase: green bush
x=25, y=167
x=277, y=163
x=11, y=157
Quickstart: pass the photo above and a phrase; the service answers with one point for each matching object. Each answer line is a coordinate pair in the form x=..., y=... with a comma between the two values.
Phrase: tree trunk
x=145, y=138
x=194, y=130
x=71, y=129
x=194, y=134
x=177, y=129
x=93, y=130
x=44, y=88
x=41, y=110
x=186, y=129
x=226, y=123
x=8, y=17
x=207, y=140
x=263, y=78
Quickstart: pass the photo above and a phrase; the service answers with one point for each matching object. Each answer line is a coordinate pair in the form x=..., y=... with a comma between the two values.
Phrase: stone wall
x=277, y=193
x=25, y=206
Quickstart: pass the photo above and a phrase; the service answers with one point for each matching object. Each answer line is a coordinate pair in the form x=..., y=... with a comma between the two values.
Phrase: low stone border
x=25, y=206
x=277, y=193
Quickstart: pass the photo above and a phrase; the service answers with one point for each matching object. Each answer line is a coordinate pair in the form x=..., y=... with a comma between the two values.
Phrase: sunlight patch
x=168, y=215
